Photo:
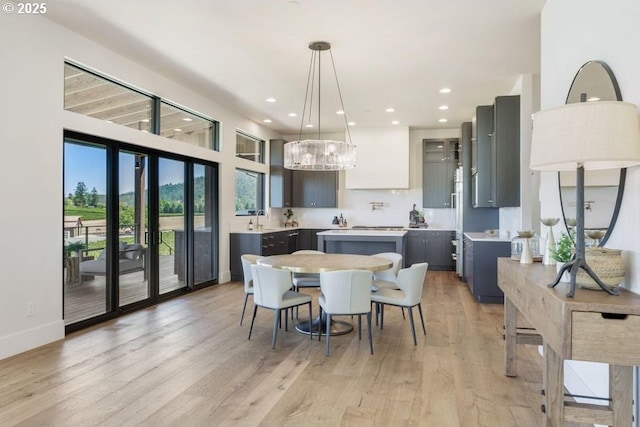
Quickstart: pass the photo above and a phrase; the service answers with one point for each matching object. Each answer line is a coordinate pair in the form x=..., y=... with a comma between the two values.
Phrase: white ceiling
x=387, y=53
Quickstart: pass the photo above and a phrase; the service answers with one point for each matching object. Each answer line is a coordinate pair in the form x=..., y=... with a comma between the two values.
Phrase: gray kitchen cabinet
x=481, y=158
x=308, y=238
x=416, y=250
x=505, y=148
x=266, y=244
x=280, y=178
x=440, y=159
x=481, y=268
x=313, y=189
x=434, y=247
x=496, y=154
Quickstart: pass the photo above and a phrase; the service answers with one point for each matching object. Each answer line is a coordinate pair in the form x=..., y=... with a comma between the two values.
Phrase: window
x=249, y=192
x=249, y=147
x=178, y=124
x=90, y=94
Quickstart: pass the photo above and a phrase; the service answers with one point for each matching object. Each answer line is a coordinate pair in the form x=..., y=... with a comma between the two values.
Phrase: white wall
x=574, y=32
x=31, y=106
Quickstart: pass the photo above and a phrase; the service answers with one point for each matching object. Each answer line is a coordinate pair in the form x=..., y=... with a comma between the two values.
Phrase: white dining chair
x=306, y=280
x=272, y=290
x=386, y=279
x=346, y=292
x=247, y=260
x=410, y=283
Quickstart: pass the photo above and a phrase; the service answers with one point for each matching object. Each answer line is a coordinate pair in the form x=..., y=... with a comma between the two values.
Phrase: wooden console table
x=593, y=326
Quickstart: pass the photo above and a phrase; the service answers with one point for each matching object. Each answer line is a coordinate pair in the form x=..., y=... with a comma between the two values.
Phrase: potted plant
x=288, y=213
x=73, y=248
x=562, y=253
x=72, y=254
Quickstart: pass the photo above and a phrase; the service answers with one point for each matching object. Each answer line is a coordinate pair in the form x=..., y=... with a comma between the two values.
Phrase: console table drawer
x=608, y=338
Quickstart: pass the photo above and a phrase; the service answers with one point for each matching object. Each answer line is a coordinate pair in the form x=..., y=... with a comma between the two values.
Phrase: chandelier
x=319, y=154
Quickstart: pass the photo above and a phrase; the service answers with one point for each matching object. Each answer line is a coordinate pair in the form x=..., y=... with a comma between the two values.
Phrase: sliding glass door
x=139, y=227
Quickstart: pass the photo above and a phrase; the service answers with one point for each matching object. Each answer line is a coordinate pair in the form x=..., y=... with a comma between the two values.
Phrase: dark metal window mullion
x=155, y=114
x=113, y=235
x=188, y=225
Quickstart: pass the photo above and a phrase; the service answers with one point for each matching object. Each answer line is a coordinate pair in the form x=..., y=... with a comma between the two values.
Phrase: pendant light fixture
x=319, y=154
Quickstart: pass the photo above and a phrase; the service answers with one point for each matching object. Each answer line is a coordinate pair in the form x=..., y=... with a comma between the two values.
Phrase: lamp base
x=573, y=266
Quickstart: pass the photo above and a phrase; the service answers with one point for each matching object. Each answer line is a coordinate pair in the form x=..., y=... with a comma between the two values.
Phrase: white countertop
x=349, y=232
x=337, y=229
x=479, y=236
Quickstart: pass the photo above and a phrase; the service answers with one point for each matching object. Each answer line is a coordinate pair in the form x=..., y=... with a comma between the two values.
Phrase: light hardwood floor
x=187, y=362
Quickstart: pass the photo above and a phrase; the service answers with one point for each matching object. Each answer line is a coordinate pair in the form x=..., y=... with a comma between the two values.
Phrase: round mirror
x=603, y=188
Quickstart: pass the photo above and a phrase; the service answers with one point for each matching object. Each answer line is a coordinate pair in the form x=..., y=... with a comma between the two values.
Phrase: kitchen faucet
x=265, y=213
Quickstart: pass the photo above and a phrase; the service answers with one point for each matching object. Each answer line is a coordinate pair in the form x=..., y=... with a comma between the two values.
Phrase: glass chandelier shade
x=319, y=154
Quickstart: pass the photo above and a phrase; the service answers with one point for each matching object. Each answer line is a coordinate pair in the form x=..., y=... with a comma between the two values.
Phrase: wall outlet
x=30, y=308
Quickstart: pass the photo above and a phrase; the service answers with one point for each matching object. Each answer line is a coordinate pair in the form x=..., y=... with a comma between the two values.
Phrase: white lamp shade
x=598, y=135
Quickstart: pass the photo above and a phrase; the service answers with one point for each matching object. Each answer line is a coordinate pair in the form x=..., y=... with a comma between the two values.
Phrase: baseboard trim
x=29, y=339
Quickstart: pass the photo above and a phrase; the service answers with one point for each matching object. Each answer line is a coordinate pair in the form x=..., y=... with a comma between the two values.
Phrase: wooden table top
x=317, y=263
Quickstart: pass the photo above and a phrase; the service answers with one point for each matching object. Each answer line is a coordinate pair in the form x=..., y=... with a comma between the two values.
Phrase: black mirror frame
x=623, y=171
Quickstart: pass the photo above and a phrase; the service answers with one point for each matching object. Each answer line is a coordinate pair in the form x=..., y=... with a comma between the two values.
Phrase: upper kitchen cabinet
x=279, y=177
x=306, y=189
x=440, y=160
x=382, y=158
x=496, y=154
x=315, y=189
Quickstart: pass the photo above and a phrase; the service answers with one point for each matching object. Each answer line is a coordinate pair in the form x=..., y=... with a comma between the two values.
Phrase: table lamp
x=585, y=136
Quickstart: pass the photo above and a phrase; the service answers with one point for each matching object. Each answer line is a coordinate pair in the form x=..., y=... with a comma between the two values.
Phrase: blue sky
x=89, y=164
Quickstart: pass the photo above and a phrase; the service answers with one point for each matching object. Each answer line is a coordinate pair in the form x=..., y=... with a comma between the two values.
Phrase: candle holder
x=595, y=236
x=526, y=257
x=547, y=259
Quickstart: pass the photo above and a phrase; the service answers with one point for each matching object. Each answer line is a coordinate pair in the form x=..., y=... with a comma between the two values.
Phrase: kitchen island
x=362, y=242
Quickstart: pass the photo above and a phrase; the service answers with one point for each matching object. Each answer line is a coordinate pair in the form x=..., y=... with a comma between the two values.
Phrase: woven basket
x=606, y=263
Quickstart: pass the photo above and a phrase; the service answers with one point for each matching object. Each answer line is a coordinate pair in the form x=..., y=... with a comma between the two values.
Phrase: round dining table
x=318, y=263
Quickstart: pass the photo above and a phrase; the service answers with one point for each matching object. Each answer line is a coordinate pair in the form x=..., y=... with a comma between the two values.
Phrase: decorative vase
x=551, y=244
x=526, y=257
x=565, y=276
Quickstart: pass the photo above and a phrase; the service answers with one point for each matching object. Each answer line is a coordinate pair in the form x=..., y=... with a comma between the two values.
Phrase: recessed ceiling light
x=178, y=130
x=593, y=98
x=270, y=100
x=308, y=125
x=187, y=119
x=395, y=122
x=445, y=90
x=145, y=120
x=390, y=110
x=293, y=115
x=443, y=107
x=340, y=112
x=145, y=131
x=267, y=120
x=443, y=120
x=351, y=123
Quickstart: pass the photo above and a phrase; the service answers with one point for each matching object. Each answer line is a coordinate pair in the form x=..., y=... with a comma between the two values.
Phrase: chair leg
x=255, y=310
x=402, y=308
x=327, y=335
x=422, y=318
x=320, y=325
x=413, y=327
x=310, y=322
x=381, y=316
x=276, y=319
x=369, y=327
x=246, y=297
